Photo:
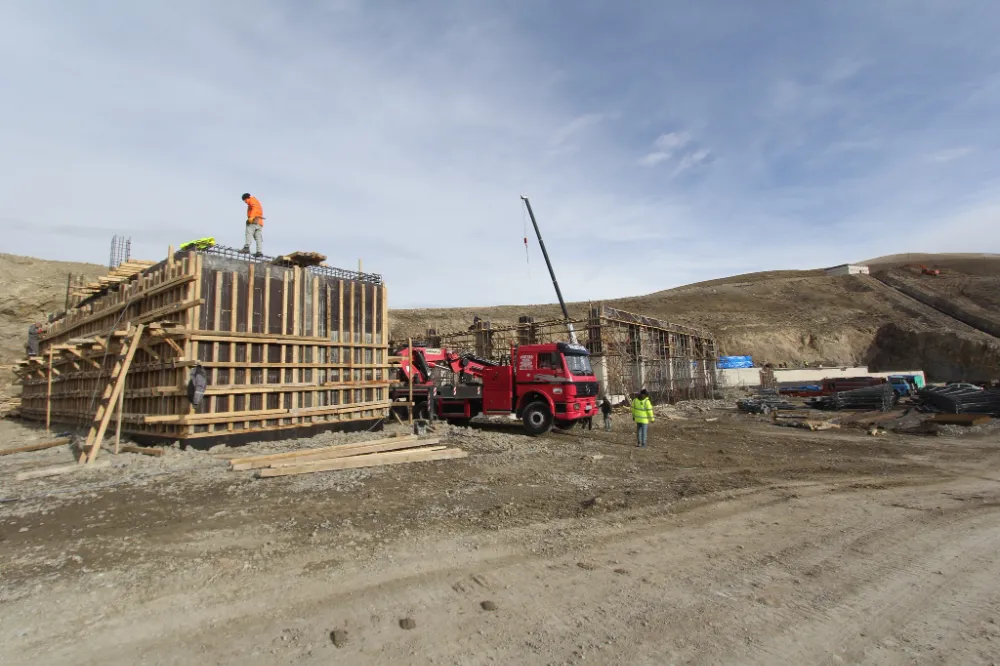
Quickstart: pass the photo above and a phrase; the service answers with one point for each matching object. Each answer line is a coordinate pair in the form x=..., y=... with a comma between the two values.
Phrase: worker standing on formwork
x=255, y=225
x=32, y=346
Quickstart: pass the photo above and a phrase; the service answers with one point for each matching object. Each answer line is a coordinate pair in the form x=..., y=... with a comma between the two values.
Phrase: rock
x=339, y=637
x=587, y=566
x=592, y=502
x=621, y=571
x=407, y=623
x=488, y=606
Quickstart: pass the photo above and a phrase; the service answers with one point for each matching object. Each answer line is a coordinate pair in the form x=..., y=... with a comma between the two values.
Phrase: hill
x=789, y=317
x=29, y=290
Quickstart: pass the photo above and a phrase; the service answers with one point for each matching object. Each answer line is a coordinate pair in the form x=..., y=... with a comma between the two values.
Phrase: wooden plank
x=344, y=451
x=420, y=445
x=250, y=281
x=266, y=327
x=315, y=306
x=94, y=440
x=223, y=417
x=48, y=398
x=961, y=419
x=284, y=304
x=56, y=471
x=297, y=301
x=373, y=460
x=62, y=441
x=306, y=452
x=118, y=426
x=143, y=450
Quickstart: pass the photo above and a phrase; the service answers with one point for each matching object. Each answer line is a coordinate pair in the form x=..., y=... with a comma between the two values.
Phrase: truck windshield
x=579, y=365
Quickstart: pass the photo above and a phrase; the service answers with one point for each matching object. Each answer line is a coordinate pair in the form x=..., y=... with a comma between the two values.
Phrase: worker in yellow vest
x=642, y=414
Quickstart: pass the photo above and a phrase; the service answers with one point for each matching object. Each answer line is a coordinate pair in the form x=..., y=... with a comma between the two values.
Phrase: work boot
x=245, y=250
x=258, y=255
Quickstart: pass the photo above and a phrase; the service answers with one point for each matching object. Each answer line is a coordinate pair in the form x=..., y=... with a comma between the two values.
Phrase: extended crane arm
x=552, y=273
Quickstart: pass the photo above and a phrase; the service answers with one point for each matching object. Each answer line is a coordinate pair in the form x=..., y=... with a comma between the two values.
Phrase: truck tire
x=537, y=418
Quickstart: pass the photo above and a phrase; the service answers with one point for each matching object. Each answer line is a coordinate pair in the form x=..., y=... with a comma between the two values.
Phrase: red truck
x=544, y=385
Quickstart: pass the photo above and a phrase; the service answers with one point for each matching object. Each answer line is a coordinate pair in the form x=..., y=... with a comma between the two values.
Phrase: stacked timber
x=276, y=347
x=375, y=453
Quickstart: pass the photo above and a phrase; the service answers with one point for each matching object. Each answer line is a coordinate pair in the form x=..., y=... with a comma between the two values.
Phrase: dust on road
x=728, y=541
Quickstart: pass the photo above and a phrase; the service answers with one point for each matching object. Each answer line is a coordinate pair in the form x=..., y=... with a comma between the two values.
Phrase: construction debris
x=961, y=419
x=301, y=259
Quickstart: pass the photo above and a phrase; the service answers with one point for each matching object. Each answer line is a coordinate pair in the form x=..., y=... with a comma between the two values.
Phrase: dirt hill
x=806, y=316
x=29, y=290
x=779, y=316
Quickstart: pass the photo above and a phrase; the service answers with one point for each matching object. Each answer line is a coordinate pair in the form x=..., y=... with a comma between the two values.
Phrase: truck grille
x=586, y=389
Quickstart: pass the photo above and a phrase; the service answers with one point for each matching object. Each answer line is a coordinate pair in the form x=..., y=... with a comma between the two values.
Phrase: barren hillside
x=805, y=316
x=779, y=316
x=29, y=290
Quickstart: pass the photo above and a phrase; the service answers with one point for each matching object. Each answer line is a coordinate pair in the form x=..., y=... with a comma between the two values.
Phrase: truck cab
x=544, y=385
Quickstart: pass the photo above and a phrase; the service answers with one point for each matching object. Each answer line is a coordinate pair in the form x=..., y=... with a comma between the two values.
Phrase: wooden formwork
x=629, y=351
x=281, y=347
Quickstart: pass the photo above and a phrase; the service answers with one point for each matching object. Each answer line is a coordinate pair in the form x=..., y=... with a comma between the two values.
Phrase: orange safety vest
x=254, y=210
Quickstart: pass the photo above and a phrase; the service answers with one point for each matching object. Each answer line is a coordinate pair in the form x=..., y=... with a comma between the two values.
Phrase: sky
x=660, y=142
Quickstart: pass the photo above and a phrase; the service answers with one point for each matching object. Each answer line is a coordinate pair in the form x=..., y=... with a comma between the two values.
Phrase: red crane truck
x=544, y=385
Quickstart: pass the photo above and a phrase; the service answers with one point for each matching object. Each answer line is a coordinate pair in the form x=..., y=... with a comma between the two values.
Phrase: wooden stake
x=36, y=447
x=48, y=398
x=118, y=426
x=409, y=342
x=111, y=391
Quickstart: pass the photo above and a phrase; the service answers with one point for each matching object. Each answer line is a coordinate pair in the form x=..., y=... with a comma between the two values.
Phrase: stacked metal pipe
x=879, y=397
x=960, y=399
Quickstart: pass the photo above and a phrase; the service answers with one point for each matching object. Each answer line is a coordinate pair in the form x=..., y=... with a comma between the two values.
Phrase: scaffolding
x=121, y=251
x=628, y=351
x=278, y=346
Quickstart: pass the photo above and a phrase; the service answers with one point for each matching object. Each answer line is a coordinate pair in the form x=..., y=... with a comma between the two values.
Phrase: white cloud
x=951, y=154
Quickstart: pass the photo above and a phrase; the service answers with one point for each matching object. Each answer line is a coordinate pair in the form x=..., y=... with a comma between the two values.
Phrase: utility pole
x=552, y=273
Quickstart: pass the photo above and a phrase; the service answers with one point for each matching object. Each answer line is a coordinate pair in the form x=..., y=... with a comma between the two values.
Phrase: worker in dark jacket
x=606, y=412
x=32, y=346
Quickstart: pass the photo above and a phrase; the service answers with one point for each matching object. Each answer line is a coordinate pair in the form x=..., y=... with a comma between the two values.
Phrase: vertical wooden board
x=363, y=308
x=340, y=310
x=259, y=302
x=195, y=261
x=208, y=293
x=351, y=326
x=242, y=291
x=266, y=318
x=251, y=275
x=285, y=318
x=227, y=312
x=315, y=305
x=297, y=301
x=327, y=309
x=276, y=316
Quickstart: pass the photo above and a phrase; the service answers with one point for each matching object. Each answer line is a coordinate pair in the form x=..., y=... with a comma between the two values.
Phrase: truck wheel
x=537, y=418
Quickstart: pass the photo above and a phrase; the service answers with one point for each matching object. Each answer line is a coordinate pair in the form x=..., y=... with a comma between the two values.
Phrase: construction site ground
x=728, y=540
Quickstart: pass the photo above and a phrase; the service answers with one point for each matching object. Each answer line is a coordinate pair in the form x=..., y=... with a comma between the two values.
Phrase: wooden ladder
x=114, y=387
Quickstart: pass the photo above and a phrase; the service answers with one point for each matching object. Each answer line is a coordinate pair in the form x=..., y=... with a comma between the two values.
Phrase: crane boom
x=552, y=273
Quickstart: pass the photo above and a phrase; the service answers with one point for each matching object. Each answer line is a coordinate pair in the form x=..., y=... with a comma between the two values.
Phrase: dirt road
x=728, y=542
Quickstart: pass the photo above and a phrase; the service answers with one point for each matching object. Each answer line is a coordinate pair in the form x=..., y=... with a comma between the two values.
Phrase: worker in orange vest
x=255, y=225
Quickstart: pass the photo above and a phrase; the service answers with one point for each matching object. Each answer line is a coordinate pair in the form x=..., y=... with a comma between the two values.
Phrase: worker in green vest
x=642, y=414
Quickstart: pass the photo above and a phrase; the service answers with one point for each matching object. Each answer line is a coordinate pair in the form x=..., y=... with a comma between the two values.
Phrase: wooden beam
x=56, y=471
x=373, y=460
x=337, y=451
x=62, y=441
x=48, y=398
x=103, y=416
x=146, y=451
x=415, y=445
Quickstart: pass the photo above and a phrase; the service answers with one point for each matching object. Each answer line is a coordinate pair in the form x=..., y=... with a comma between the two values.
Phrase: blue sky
x=661, y=143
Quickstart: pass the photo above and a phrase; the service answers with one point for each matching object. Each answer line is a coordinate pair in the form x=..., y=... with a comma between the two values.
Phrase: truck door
x=498, y=390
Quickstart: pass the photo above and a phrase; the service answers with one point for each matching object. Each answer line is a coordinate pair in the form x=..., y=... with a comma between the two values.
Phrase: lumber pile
x=122, y=273
x=374, y=453
x=301, y=259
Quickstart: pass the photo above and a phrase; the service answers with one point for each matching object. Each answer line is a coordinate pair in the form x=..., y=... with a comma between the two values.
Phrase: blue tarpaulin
x=727, y=362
